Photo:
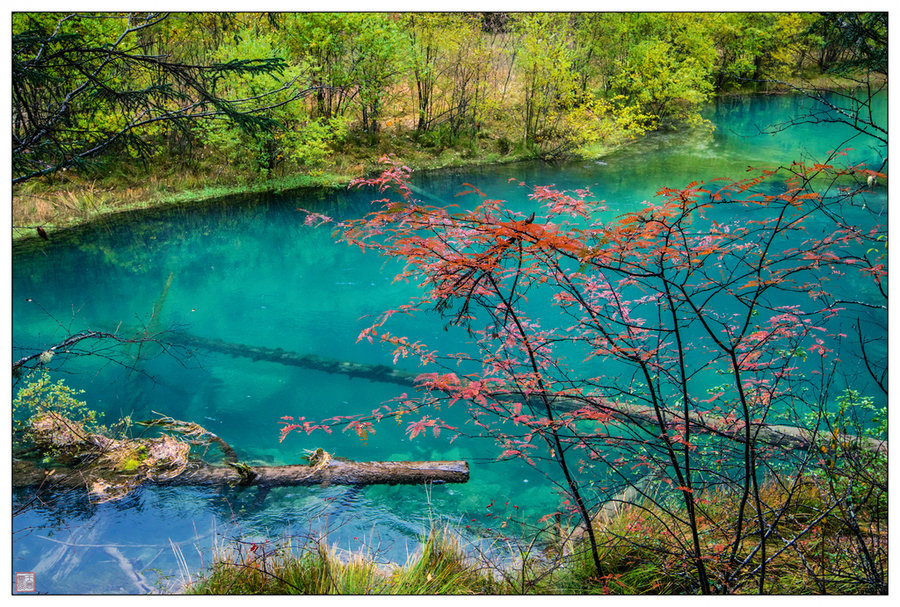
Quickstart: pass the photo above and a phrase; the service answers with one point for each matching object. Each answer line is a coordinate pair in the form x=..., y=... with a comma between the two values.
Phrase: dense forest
x=106, y=101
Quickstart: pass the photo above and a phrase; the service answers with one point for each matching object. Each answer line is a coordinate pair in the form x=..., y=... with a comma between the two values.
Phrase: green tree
x=87, y=84
x=754, y=46
x=375, y=54
x=424, y=41
x=450, y=61
x=296, y=136
x=353, y=60
x=851, y=42
x=664, y=85
x=597, y=48
x=471, y=60
x=545, y=63
x=322, y=41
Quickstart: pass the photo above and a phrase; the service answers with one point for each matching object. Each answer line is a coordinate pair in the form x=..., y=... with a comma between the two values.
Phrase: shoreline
x=23, y=234
x=88, y=211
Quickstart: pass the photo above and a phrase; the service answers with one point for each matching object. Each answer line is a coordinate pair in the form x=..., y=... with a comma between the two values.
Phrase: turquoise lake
x=248, y=271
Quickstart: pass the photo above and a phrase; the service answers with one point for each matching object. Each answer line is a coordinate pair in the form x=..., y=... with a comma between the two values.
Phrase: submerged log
x=780, y=435
x=382, y=373
x=331, y=472
x=776, y=435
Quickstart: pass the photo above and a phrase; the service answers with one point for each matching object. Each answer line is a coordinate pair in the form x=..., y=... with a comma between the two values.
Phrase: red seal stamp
x=25, y=582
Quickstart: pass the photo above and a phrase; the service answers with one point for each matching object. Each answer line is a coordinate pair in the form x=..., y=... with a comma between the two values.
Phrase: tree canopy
x=294, y=88
x=90, y=84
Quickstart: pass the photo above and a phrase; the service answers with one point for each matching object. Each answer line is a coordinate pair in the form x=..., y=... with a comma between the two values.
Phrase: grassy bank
x=813, y=549
x=214, y=104
x=71, y=198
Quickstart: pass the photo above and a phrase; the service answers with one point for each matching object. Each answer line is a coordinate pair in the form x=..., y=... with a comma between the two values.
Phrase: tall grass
x=813, y=550
x=440, y=567
x=815, y=544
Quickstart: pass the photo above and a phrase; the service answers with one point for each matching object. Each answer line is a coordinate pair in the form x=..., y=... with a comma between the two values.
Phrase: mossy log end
x=332, y=472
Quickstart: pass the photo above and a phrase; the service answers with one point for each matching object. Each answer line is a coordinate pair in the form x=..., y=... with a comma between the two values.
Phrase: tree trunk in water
x=331, y=472
x=779, y=435
x=381, y=373
x=789, y=437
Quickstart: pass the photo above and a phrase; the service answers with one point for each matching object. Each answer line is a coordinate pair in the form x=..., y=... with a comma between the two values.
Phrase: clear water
x=249, y=271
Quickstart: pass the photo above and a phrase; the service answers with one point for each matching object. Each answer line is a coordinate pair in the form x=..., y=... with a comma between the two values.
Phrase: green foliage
x=255, y=151
x=191, y=100
x=377, y=45
x=850, y=42
x=42, y=408
x=850, y=470
x=353, y=58
x=39, y=395
x=321, y=42
x=663, y=84
x=92, y=84
x=752, y=47
x=449, y=59
x=601, y=123
x=545, y=60
x=859, y=415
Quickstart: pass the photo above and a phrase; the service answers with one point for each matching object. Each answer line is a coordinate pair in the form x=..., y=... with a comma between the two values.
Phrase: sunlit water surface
x=248, y=271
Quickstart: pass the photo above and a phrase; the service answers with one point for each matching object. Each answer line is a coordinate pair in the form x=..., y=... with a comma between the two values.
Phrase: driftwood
x=195, y=434
x=331, y=472
x=62, y=346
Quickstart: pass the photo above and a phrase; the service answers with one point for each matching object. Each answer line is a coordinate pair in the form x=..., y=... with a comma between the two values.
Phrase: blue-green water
x=249, y=271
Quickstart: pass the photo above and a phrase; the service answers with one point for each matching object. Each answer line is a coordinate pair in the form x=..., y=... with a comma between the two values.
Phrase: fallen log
x=62, y=346
x=109, y=468
x=780, y=435
x=777, y=435
x=194, y=433
x=382, y=373
x=333, y=472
